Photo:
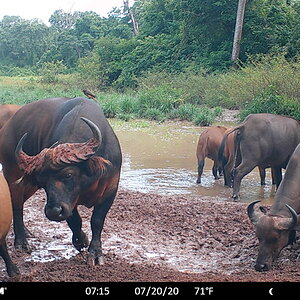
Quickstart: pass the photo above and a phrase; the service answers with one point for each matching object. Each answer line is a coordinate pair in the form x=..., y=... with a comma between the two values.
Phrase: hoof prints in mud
x=152, y=238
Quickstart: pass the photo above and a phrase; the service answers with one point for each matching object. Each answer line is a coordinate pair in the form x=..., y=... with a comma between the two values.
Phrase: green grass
x=267, y=84
x=22, y=90
x=157, y=104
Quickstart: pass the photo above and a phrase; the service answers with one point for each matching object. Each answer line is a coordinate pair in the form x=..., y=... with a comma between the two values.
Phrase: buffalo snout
x=58, y=212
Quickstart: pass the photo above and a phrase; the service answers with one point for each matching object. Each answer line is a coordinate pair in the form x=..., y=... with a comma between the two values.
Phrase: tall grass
x=161, y=103
x=267, y=84
x=234, y=89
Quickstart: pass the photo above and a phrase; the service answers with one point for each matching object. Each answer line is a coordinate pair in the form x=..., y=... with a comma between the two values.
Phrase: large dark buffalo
x=67, y=147
x=276, y=228
x=264, y=140
x=227, y=152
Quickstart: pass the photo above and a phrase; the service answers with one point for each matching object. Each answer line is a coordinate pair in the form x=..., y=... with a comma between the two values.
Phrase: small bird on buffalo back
x=89, y=94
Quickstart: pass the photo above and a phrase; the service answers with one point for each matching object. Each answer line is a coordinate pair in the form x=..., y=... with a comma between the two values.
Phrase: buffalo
x=208, y=146
x=264, y=140
x=227, y=152
x=6, y=112
x=5, y=222
x=67, y=147
x=276, y=229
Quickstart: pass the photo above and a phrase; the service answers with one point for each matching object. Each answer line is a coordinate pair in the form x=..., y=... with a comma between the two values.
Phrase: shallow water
x=161, y=158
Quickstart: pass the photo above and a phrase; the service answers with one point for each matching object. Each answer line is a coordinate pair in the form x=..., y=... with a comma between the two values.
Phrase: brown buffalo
x=6, y=112
x=208, y=146
x=5, y=222
x=227, y=152
x=276, y=228
x=67, y=147
x=264, y=140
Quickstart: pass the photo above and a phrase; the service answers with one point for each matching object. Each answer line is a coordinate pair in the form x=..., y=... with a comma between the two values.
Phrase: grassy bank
x=270, y=84
x=158, y=104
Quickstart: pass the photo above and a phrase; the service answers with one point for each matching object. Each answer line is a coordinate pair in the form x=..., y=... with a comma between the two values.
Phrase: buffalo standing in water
x=264, y=140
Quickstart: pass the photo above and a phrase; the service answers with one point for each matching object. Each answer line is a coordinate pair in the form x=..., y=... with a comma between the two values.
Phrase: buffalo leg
x=277, y=176
x=200, y=170
x=242, y=170
x=19, y=195
x=11, y=268
x=97, y=222
x=19, y=230
x=79, y=238
x=215, y=170
x=262, y=174
x=227, y=175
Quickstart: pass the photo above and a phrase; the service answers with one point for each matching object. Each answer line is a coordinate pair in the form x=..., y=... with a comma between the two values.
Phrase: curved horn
x=252, y=214
x=19, y=148
x=28, y=164
x=94, y=128
x=294, y=217
x=76, y=152
x=288, y=223
x=23, y=160
x=57, y=155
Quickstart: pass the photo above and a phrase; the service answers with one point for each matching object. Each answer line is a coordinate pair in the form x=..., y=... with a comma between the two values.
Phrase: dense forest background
x=176, y=41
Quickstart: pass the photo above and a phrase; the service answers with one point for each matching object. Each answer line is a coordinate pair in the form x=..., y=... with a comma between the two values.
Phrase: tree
x=132, y=17
x=238, y=32
x=61, y=20
x=22, y=42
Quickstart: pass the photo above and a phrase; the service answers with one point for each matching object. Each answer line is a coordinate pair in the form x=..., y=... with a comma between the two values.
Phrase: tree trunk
x=131, y=16
x=238, y=32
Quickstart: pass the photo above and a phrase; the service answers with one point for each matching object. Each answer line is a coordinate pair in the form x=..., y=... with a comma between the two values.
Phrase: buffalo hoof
x=28, y=233
x=236, y=197
x=80, y=242
x=22, y=246
x=13, y=271
x=93, y=261
x=198, y=181
x=261, y=267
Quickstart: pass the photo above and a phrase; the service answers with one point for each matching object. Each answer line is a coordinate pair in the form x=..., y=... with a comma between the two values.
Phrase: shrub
x=50, y=70
x=163, y=98
x=183, y=112
x=110, y=108
x=204, y=116
x=270, y=101
x=154, y=114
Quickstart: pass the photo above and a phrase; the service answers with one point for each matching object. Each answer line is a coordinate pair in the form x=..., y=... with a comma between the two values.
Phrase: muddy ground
x=149, y=237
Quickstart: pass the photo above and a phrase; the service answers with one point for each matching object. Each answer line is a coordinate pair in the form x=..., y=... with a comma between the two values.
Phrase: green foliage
x=174, y=36
x=162, y=98
x=271, y=102
x=91, y=72
x=204, y=116
x=49, y=71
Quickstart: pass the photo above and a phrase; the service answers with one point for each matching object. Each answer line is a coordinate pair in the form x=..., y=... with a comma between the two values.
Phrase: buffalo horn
x=58, y=155
x=294, y=217
x=252, y=214
x=95, y=130
x=19, y=148
x=22, y=158
x=288, y=223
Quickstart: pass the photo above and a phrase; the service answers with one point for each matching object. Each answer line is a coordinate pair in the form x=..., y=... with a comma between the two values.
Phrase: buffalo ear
x=97, y=165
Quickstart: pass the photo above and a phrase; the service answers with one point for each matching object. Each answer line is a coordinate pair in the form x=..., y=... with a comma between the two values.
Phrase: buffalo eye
x=68, y=175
